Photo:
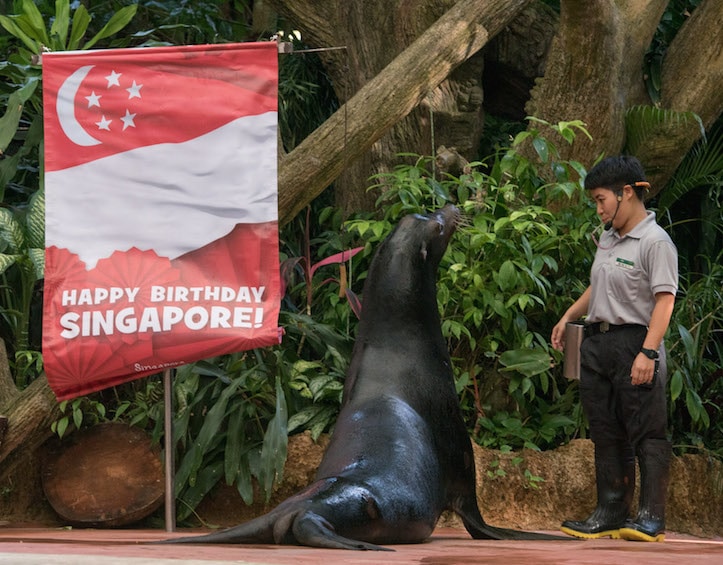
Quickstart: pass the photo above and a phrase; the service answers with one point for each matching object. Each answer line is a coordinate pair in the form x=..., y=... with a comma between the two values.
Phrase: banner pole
x=168, y=440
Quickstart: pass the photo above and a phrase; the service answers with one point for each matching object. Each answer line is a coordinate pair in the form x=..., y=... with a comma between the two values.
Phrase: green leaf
x=688, y=343
x=14, y=29
x=234, y=446
x=11, y=232
x=541, y=148
x=244, y=481
x=529, y=362
x=676, y=385
x=7, y=261
x=119, y=20
x=507, y=276
x=62, y=426
x=37, y=258
x=34, y=19
x=273, y=452
x=692, y=402
x=35, y=220
x=207, y=478
x=61, y=23
x=11, y=118
x=81, y=21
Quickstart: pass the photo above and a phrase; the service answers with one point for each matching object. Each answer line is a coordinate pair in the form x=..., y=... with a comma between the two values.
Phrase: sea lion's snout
x=448, y=219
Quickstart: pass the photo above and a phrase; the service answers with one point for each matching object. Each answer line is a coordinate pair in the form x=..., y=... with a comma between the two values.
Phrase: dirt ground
x=567, y=491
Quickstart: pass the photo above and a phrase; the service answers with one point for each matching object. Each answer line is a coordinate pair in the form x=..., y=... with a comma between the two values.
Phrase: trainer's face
x=606, y=202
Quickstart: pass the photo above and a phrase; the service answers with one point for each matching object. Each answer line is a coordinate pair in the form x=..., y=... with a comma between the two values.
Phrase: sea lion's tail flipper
x=479, y=529
x=492, y=532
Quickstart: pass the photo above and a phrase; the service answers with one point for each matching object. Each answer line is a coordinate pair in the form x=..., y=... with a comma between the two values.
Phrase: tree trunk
x=594, y=71
x=391, y=95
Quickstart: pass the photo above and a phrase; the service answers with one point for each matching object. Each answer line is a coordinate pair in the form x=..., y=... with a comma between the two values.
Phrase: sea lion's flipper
x=258, y=530
x=311, y=529
x=479, y=529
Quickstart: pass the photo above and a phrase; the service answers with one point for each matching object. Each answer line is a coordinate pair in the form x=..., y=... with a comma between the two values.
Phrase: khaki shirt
x=628, y=271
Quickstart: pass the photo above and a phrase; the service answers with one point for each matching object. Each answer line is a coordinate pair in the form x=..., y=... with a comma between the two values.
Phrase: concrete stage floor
x=43, y=546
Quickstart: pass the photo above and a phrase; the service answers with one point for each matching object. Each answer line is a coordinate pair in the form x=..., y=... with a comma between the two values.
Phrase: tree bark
x=30, y=415
x=392, y=94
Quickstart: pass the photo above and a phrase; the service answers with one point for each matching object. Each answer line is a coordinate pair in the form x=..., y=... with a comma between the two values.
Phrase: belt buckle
x=604, y=327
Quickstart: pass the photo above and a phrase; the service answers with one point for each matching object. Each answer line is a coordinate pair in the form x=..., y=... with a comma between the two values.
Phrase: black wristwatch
x=649, y=353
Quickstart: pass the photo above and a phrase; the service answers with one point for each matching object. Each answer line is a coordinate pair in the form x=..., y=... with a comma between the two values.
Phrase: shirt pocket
x=623, y=284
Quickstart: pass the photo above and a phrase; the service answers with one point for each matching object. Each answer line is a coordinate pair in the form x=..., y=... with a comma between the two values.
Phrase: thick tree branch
x=29, y=415
x=462, y=31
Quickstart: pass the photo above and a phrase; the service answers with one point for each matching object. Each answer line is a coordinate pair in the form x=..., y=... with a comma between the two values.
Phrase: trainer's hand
x=642, y=370
x=558, y=335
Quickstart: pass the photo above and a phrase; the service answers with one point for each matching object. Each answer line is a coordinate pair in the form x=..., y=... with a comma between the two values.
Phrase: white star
x=135, y=90
x=103, y=123
x=128, y=120
x=112, y=79
x=93, y=100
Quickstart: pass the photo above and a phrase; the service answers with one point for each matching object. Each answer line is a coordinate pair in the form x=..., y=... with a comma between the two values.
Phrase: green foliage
x=189, y=22
x=79, y=412
x=22, y=265
x=495, y=470
x=694, y=354
x=66, y=32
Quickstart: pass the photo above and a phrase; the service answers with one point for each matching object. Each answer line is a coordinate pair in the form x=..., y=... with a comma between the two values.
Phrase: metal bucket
x=574, y=333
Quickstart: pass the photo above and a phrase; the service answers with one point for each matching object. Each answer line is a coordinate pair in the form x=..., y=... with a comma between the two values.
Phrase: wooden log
x=109, y=475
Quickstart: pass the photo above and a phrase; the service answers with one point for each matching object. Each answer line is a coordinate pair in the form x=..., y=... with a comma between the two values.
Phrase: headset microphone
x=609, y=224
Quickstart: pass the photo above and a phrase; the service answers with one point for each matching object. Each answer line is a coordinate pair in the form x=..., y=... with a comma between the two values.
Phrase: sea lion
x=400, y=453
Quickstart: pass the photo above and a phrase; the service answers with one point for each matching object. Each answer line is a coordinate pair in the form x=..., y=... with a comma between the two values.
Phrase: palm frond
x=703, y=166
x=643, y=122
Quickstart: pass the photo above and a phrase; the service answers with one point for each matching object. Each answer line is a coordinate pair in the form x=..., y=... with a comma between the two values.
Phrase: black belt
x=604, y=327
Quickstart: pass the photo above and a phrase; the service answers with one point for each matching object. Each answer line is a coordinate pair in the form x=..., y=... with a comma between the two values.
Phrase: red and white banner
x=161, y=209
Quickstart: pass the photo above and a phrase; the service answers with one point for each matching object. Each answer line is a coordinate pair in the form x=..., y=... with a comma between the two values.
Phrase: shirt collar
x=640, y=228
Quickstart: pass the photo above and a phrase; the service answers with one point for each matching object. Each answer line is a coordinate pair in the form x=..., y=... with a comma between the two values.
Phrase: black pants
x=617, y=410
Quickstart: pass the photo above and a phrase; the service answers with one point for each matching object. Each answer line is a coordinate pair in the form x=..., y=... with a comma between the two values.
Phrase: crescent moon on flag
x=65, y=108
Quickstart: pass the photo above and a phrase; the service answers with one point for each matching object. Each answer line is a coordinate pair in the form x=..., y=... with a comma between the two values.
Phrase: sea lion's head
x=405, y=264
